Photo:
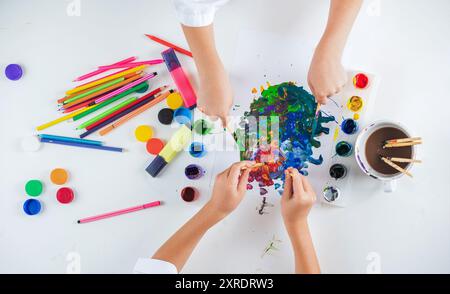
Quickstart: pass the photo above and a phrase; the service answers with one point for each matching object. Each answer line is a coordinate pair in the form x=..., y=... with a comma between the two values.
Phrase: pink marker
x=131, y=64
x=119, y=212
x=180, y=78
x=124, y=88
x=99, y=71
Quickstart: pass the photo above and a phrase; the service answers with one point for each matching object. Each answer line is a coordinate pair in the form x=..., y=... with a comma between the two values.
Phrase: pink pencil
x=99, y=71
x=124, y=88
x=131, y=64
x=119, y=212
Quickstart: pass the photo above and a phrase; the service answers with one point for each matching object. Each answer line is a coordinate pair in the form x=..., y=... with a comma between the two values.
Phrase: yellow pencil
x=63, y=118
x=106, y=79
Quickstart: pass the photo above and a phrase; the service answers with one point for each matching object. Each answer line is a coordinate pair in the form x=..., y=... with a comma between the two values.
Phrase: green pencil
x=105, y=113
x=109, y=101
x=96, y=89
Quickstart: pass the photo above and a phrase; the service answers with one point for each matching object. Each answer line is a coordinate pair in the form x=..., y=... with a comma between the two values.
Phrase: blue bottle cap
x=182, y=116
x=32, y=206
x=13, y=72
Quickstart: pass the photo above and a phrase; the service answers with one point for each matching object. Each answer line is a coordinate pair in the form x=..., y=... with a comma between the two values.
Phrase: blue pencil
x=99, y=147
x=69, y=139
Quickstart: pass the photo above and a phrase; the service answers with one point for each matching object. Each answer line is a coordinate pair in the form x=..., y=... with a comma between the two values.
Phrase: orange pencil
x=134, y=113
x=127, y=81
x=61, y=100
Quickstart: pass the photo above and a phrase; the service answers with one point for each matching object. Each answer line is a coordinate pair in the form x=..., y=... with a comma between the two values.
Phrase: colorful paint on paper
x=291, y=109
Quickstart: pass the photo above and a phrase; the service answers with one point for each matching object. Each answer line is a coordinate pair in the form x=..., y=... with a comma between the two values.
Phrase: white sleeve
x=154, y=266
x=197, y=13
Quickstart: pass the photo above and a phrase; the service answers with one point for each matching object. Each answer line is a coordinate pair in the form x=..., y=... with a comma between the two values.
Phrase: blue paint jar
x=349, y=126
x=197, y=149
x=182, y=116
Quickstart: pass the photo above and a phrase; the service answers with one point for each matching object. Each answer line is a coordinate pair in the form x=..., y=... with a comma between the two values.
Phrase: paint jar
x=349, y=126
x=197, y=149
x=182, y=116
x=330, y=193
x=189, y=194
x=360, y=81
x=355, y=103
x=202, y=127
x=344, y=149
x=338, y=171
x=32, y=206
x=194, y=172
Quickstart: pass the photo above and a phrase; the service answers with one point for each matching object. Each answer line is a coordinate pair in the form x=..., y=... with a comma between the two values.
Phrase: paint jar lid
x=144, y=88
x=165, y=116
x=30, y=144
x=174, y=101
x=154, y=146
x=182, y=116
x=197, y=149
x=330, y=193
x=33, y=188
x=59, y=176
x=32, y=206
x=13, y=72
x=143, y=133
x=64, y=195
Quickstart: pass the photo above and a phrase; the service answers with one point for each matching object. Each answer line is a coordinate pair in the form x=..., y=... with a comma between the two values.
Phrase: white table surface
x=404, y=42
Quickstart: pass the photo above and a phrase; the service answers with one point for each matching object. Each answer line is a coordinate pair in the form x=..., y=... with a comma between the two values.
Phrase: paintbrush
x=406, y=144
x=398, y=159
x=403, y=140
x=393, y=165
x=256, y=165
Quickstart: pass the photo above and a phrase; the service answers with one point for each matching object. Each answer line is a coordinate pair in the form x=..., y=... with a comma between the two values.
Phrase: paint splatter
x=263, y=206
x=271, y=246
x=287, y=112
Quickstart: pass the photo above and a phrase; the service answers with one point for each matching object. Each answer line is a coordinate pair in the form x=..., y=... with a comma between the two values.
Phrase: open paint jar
x=344, y=149
x=189, y=194
x=194, y=172
x=330, y=193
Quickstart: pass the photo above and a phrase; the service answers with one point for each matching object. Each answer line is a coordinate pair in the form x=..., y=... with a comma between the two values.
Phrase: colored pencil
x=74, y=144
x=107, y=112
x=69, y=107
x=106, y=79
x=393, y=165
x=134, y=113
x=150, y=96
x=96, y=107
x=61, y=119
x=124, y=88
x=170, y=45
x=119, y=212
x=116, y=115
x=94, y=90
x=99, y=71
x=132, y=64
x=69, y=139
x=398, y=159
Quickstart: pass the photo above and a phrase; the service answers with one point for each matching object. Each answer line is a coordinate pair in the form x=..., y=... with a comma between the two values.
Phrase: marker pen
x=180, y=78
x=178, y=141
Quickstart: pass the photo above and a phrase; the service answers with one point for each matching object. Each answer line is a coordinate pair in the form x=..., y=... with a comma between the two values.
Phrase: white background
x=404, y=42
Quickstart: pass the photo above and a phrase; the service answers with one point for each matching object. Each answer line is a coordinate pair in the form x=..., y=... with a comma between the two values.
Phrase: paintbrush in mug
x=393, y=165
x=398, y=159
x=396, y=145
x=403, y=140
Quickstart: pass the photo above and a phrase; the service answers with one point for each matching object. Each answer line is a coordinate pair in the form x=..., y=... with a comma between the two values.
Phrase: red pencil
x=170, y=45
x=152, y=93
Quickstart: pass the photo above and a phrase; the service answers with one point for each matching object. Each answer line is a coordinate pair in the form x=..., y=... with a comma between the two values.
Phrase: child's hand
x=297, y=199
x=215, y=95
x=229, y=189
x=326, y=76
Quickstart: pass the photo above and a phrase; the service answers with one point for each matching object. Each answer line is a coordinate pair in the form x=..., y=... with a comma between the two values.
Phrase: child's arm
x=326, y=75
x=214, y=96
x=229, y=189
x=296, y=202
